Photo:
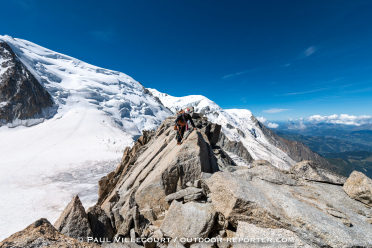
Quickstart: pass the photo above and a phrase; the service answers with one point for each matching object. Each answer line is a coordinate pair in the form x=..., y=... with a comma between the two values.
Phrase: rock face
x=100, y=223
x=234, y=147
x=320, y=214
x=42, y=234
x=266, y=236
x=359, y=187
x=309, y=170
x=151, y=171
x=21, y=95
x=189, y=220
x=107, y=183
x=73, y=221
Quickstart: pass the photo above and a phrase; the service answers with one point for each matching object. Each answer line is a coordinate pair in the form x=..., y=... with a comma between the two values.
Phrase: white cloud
x=344, y=119
x=266, y=123
x=309, y=51
x=262, y=119
x=272, y=125
x=274, y=110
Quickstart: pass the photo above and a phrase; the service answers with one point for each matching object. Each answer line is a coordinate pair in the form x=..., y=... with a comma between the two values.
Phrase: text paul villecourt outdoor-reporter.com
x=190, y=240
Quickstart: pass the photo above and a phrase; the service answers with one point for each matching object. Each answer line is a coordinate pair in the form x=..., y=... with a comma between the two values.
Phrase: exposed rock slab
x=359, y=187
x=73, y=221
x=309, y=170
x=257, y=237
x=182, y=193
x=271, y=174
x=42, y=234
x=302, y=209
x=188, y=220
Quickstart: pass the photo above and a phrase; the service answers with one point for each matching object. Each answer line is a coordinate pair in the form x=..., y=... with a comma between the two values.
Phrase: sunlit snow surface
x=231, y=120
x=99, y=112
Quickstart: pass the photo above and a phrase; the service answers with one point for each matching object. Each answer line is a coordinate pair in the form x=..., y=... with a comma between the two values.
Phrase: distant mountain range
x=346, y=147
x=347, y=162
x=354, y=141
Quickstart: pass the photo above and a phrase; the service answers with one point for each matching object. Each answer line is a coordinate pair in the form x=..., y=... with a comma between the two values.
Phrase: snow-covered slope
x=237, y=124
x=98, y=113
x=114, y=93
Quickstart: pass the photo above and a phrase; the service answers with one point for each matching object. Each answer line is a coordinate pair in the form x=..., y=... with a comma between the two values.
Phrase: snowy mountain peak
x=73, y=83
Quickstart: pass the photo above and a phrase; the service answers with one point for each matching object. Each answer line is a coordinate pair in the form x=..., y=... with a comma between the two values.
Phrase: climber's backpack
x=181, y=122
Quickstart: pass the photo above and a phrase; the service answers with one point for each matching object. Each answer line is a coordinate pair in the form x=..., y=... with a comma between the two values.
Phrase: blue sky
x=278, y=59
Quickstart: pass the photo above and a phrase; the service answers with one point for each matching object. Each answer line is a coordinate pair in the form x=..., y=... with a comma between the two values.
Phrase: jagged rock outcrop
x=100, y=223
x=42, y=234
x=159, y=168
x=21, y=95
x=73, y=221
x=359, y=187
x=311, y=171
x=295, y=150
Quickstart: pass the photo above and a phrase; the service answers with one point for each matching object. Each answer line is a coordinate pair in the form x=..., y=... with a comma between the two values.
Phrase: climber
x=181, y=122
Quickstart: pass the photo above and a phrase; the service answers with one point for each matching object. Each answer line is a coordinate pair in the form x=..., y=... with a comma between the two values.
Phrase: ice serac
x=243, y=135
x=22, y=97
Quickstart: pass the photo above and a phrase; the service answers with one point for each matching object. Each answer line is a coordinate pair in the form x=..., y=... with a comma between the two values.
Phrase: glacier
x=98, y=112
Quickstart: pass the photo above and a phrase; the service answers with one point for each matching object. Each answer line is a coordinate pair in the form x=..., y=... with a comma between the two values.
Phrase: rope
x=197, y=137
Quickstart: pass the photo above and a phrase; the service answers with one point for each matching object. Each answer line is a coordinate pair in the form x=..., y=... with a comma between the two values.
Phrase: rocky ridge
x=168, y=195
x=244, y=130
